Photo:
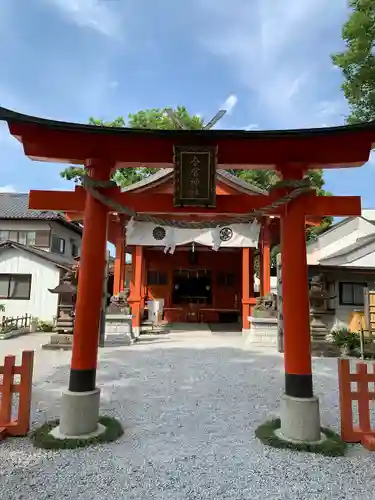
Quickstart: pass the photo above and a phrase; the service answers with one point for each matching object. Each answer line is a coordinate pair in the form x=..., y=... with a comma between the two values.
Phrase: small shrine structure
x=200, y=200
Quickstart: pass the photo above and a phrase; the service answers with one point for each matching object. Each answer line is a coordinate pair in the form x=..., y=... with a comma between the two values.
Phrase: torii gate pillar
x=300, y=416
x=299, y=407
x=80, y=404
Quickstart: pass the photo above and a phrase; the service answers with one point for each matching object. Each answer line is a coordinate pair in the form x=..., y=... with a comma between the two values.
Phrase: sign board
x=155, y=310
x=195, y=176
x=280, y=321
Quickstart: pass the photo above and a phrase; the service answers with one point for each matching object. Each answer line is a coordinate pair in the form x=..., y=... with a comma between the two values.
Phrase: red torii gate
x=103, y=149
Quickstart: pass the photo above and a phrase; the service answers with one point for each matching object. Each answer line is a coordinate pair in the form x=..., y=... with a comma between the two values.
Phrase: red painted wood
x=223, y=297
x=315, y=149
x=74, y=201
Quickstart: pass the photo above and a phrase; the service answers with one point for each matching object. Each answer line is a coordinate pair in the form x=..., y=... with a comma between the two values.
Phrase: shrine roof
x=164, y=174
x=329, y=147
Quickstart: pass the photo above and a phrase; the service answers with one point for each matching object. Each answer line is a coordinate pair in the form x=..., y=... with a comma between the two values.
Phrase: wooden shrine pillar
x=265, y=259
x=119, y=270
x=247, y=286
x=136, y=288
x=143, y=284
x=300, y=415
x=296, y=310
x=80, y=404
x=90, y=287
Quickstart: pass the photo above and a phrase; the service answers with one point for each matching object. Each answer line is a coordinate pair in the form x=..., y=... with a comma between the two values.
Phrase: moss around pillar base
x=330, y=444
x=48, y=436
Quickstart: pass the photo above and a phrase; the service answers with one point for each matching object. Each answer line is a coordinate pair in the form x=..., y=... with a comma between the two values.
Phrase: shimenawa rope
x=299, y=187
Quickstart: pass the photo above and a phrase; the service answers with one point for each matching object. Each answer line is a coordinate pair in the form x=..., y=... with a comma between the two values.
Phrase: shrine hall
x=201, y=275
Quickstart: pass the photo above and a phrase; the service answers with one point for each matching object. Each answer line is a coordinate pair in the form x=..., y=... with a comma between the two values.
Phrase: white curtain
x=234, y=235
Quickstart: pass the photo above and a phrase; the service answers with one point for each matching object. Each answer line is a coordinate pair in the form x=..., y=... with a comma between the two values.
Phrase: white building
x=345, y=254
x=36, y=249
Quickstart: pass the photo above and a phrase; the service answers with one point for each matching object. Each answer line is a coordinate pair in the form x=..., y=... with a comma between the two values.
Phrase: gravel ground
x=189, y=403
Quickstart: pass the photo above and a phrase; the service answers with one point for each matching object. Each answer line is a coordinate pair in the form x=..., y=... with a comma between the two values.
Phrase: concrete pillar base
x=300, y=419
x=57, y=434
x=79, y=413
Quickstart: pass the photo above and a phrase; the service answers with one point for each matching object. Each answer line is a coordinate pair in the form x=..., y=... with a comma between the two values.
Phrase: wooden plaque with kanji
x=195, y=176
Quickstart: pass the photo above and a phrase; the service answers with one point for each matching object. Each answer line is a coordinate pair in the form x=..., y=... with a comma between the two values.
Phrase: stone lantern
x=320, y=315
x=63, y=336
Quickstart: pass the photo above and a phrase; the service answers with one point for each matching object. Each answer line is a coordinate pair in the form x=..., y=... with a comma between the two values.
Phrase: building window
x=351, y=294
x=74, y=249
x=23, y=237
x=58, y=244
x=156, y=278
x=225, y=279
x=15, y=286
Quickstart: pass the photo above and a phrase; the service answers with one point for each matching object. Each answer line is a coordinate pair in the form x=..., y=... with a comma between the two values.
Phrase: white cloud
x=251, y=126
x=8, y=188
x=102, y=17
x=277, y=50
x=230, y=103
x=113, y=84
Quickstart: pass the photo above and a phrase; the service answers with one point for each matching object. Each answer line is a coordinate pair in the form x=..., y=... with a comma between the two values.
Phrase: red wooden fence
x=20, y=426
x=363, y=432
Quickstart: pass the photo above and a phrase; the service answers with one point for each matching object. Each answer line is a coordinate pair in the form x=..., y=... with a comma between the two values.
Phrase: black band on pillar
x=82, y=380
x=299, y=386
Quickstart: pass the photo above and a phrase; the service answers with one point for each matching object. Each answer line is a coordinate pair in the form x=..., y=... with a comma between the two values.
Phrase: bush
x=44, y=326
x=343, y=337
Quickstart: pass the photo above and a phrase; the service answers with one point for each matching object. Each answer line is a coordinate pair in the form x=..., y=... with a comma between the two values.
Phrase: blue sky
x=268, y=61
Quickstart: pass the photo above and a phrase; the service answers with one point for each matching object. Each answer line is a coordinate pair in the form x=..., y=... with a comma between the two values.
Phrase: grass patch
x=42, y=438
x=333, y=446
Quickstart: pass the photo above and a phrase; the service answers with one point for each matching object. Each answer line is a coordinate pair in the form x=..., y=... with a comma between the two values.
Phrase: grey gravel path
x=190, y=403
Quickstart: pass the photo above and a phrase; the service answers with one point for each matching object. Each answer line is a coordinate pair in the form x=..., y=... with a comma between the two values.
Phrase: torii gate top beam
x=56, y=141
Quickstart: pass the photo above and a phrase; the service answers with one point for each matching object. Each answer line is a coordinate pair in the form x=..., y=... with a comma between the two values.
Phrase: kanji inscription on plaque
x=195, y=176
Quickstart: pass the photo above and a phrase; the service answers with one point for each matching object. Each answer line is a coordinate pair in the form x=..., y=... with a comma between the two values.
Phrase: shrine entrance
x=201, y=197
x=195, y=283
x=192, y=287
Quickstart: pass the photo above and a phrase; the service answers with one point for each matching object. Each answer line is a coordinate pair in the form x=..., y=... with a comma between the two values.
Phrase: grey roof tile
x=16, y=206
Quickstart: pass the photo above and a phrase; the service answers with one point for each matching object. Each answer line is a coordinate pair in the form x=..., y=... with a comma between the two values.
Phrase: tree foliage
x=151, y=119
x=357, y=61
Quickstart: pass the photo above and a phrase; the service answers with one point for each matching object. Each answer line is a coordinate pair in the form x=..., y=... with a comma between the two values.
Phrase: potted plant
x=346, y=340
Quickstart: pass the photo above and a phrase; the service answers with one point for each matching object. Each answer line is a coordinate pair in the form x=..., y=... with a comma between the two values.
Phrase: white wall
x=273, y=284
x=343, y=312
x=68, y=235
x=40, y=225
x=42, y=303
x=346, y=233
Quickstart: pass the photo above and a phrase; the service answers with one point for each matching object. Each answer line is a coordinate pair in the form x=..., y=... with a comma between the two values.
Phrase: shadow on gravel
x=190, y=415
x=242, y=381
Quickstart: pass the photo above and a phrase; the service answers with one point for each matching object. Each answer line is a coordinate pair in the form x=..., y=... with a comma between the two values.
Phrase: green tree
x=357, y=61
x=151, y=119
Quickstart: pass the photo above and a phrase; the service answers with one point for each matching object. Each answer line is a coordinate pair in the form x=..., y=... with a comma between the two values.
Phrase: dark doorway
x=192, y=287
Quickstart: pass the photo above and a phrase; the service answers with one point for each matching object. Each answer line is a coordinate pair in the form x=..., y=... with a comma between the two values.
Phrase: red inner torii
x=103, y=149
x=225, y=301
